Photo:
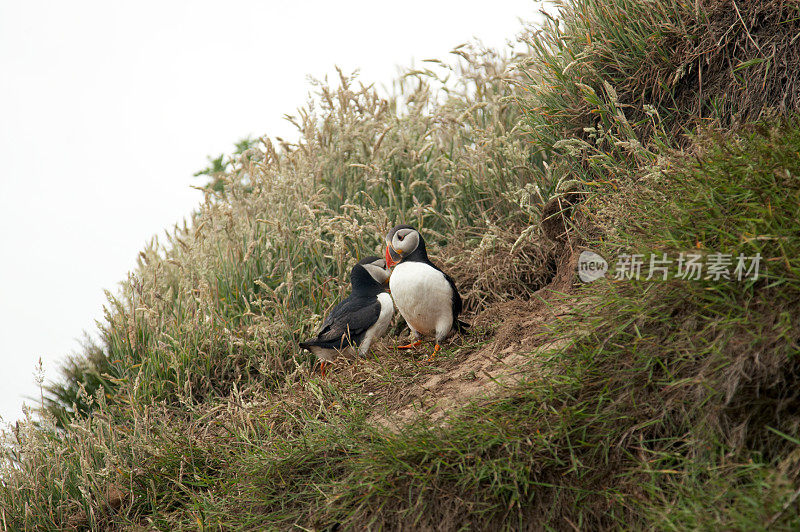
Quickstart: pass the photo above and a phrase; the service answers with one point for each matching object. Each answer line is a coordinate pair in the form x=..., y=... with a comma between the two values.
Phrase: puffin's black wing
x=347, y=322
x=457, y=304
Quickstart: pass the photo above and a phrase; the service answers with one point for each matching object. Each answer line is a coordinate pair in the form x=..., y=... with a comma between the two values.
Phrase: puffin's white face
x=403, y=242
x=378, y=270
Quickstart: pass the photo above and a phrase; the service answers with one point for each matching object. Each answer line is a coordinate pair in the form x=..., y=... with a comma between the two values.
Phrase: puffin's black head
x=402, y=242
x=370, y=274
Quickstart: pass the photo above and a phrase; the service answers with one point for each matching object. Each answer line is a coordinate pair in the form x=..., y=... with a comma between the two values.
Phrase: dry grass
x=667, y=405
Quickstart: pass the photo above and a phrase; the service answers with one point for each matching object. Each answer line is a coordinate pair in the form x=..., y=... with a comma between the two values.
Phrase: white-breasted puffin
x=360, y=319
x=425, y=296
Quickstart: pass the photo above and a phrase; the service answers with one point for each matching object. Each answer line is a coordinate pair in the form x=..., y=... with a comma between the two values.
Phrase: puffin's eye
x=400, y=237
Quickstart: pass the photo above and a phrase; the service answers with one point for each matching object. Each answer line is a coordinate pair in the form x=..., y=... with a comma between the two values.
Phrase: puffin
x=425, y=296
x=360, y=319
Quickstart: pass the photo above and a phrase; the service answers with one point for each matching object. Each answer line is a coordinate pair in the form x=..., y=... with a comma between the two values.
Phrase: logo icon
x=591, y=266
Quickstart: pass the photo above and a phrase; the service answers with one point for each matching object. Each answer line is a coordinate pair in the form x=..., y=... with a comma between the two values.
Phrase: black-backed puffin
x=358, y=320
x=425, y=296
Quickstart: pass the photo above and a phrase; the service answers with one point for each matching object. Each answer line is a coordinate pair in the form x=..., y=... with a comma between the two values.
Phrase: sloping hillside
x=649, y=128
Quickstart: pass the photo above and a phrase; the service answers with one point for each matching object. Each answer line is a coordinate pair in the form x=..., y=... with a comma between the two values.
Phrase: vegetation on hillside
x=670, y=404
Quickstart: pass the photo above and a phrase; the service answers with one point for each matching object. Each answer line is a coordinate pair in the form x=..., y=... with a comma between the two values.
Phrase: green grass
x=673, y=405
x=654, y=417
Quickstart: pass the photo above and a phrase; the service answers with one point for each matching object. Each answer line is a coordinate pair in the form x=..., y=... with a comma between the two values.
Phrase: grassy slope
x=673, y=406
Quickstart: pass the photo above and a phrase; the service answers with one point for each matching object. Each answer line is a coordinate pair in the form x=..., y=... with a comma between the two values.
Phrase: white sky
x=107, y=109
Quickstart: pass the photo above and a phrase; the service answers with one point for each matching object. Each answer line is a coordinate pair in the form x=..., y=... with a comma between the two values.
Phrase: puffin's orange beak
x=389, y=261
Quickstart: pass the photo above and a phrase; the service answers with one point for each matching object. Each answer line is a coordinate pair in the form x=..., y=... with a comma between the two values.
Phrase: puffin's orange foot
x=409, y=346
x=323, y=368
x=433, y=355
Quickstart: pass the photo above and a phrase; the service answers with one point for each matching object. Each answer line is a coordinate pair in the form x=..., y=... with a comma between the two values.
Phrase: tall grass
x=225, y=301
x=672, y=406
x=217, y=310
